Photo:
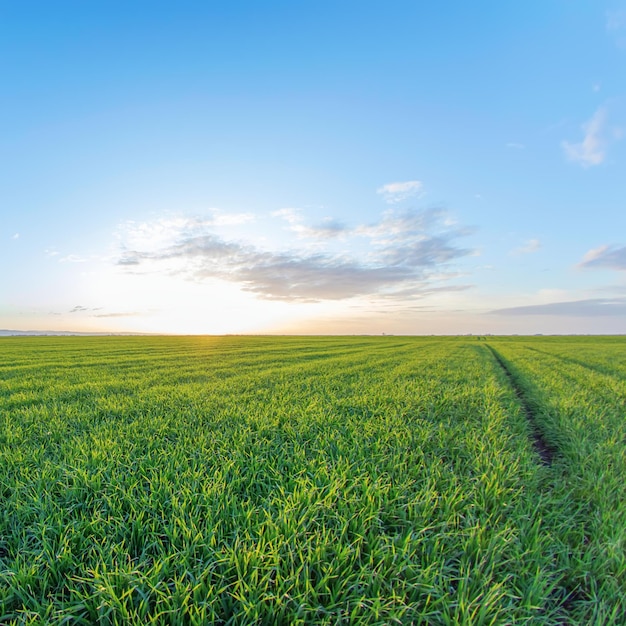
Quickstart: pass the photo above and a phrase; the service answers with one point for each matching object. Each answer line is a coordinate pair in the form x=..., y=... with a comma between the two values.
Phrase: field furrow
x=583, y=411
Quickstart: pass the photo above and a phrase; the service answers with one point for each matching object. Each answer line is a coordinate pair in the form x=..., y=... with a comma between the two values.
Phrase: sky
x=365, y=167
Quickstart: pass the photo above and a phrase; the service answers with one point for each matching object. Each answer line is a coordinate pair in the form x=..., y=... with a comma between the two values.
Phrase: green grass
x=242, y=480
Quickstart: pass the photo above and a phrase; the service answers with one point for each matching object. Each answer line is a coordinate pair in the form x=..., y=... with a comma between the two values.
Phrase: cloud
x=592, y=149
x=528, y=247
x=616, y=26
x=397, y=192
x=605, y=256
x=424, y=289
x=615, y=20
x=329, y=225
x=515, y=146
x=598, y=137
x=594, y=307
x=231, y=219
x=128, y=260
x=16, y=236
x=329, y=228
x=405, y=225
x=129, y=314
x=164, y=231
x=83, y=309
x=291, y=216
x=93, y=311
x=404, y=250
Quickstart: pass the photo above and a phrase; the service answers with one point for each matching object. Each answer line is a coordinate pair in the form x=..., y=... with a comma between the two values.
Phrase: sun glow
x=170, y=304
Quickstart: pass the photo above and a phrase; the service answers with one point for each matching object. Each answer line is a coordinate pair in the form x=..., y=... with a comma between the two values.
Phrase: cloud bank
x=402, y=252
x=593, y=307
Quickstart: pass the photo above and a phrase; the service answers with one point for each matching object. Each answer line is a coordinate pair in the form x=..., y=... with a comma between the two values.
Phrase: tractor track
x=545, y=450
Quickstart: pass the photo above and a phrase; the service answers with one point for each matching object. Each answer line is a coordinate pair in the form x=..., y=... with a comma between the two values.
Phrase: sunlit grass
x=306, y=480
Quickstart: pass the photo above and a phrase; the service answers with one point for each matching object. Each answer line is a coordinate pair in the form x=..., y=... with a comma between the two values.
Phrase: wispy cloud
x=128, y=260
x=220, y=218
x=397, y=192
x=84, y=309
x=396, y=225
x=515, y=146
x=612, y=257
x=528, y=247
x=72, y=258
x=616, y=20
x=328, y=228
x=290, y=215
x=123, y=314
x=161, y=232
x=16, y=236
x=592, y=149
x=98, y=311
x=404, y=250
x=593, y=307
x=616, y=26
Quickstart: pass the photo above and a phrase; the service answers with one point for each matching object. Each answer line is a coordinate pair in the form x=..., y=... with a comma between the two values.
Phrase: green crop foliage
x=311, y=480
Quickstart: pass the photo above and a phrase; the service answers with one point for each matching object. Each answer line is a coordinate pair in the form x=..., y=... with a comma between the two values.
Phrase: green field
x=297, y=480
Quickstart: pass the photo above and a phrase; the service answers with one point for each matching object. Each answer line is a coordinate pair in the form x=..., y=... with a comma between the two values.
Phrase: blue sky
x=327, y=167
